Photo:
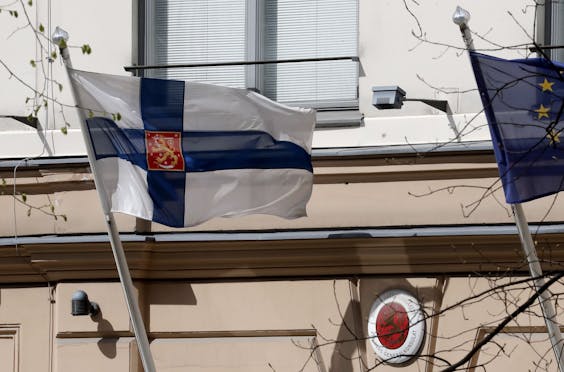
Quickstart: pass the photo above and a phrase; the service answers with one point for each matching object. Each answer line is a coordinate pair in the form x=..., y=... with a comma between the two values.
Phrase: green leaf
x=54, y=54
x=30, y=3
x=45, y=103
x=62, y=44
x=118, y=116
x=41, y=28
x=52, y=207
x=64, y=130
x=29, y=212
x=24, y=197
x=60, y=87
x=64, y=216
x=32, y=63
x=90, y=114
x=27, y=99
x=86, y=49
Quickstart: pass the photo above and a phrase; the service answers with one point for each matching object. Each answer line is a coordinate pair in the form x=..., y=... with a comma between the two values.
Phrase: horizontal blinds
x=309, y=29
x=211, y=31
x=200, y=31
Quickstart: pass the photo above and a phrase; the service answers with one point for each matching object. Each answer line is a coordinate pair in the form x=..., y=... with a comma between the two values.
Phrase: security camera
x=388, y=97
x=81, y=305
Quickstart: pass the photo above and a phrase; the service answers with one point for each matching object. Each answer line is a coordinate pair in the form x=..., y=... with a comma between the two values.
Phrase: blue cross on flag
x=181, y=153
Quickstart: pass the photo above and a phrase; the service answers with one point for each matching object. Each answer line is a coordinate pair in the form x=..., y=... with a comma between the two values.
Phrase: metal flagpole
x=60, y=38
x=536, y=272
x=461, y=18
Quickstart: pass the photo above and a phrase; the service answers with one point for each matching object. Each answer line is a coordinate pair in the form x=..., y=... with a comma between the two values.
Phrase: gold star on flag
x=553, y=136
x=546, y=85
x=542, y=111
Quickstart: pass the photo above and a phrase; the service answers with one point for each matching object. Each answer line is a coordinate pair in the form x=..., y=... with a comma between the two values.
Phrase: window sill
x=338, y=119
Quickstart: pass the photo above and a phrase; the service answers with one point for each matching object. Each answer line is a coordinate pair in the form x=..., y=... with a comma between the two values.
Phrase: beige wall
x=247, y=326
x=240, y=326
x=26, y=328
x=260, y=325
x=408, y=203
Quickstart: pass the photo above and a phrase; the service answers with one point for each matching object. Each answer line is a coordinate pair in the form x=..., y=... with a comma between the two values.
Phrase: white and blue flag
x=181, y=153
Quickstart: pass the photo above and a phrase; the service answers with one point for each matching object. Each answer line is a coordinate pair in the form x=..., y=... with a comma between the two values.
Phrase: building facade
x=404, y=200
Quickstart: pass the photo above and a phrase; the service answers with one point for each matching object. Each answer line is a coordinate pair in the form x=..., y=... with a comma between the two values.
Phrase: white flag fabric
x=181, y=153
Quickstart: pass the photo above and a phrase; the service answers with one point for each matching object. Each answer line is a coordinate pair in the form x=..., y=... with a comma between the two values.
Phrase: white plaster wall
x=389, y=55
x=105, y=25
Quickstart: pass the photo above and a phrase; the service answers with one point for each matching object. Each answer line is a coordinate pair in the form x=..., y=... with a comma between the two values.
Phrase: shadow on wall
x=350, y=349
x=172, y=293
x=107, y=345
x=167, y=293
x=351, y=352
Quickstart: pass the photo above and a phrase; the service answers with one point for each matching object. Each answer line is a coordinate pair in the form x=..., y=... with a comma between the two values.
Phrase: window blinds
x=210, y=31
x=200, y=31
x=311, y=29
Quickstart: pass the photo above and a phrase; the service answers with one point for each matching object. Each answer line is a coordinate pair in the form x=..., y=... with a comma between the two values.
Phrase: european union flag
x=523, y=103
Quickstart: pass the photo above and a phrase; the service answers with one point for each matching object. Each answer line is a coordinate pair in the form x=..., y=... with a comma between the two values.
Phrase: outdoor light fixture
x=389, y=97
x=393, y=97
x=81, y=305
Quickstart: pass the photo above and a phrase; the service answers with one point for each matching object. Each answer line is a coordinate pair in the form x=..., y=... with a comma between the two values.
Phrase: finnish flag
x=181, y=153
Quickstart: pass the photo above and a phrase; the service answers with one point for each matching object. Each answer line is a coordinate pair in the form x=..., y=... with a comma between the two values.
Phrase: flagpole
x=461, y=18
x=60, y=38
x=536, y=272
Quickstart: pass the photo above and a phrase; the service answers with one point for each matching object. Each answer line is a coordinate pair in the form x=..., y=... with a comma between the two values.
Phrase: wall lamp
x=81, y=305
x=393, y=97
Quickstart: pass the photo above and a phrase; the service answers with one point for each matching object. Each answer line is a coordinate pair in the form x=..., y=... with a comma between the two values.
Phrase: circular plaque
x=396, y=327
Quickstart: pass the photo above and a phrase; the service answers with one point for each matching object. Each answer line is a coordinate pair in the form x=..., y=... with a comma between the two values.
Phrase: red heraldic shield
x=164, y=151
x=392, y=325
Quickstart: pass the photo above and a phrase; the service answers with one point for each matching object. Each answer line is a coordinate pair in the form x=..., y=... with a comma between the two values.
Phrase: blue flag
x=180, y=153
x=523, y=104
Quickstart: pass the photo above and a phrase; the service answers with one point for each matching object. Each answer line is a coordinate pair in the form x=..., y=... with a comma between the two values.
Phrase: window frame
x=547, y=30
x=254, y=45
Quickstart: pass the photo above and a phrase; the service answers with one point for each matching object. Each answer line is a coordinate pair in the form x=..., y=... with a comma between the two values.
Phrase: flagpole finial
x=60, y=37
x=461, y=16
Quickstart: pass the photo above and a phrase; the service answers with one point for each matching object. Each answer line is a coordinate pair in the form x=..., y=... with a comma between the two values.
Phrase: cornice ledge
x=347, y=255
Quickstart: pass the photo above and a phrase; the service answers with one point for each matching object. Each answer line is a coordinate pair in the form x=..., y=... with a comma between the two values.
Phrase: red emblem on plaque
x=392, y=325
x=396, y=327
x=164, y=151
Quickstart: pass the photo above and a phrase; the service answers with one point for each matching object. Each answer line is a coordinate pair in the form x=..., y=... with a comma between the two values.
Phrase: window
x=214, y=31
x=554, y=28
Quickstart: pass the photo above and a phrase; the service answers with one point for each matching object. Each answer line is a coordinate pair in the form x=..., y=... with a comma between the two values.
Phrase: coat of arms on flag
x=164, y=151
